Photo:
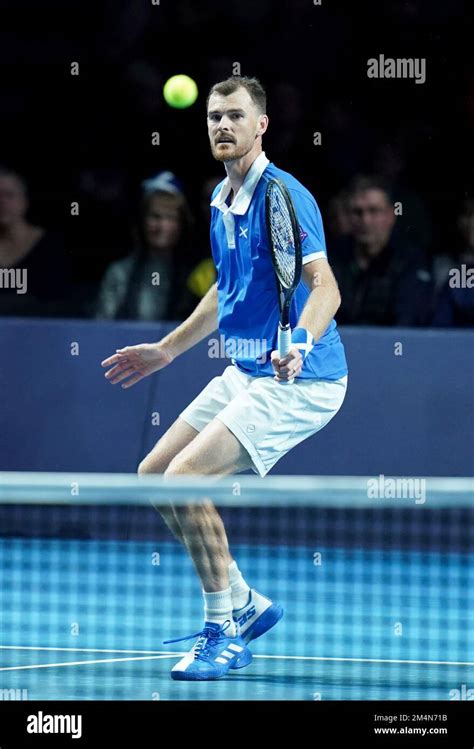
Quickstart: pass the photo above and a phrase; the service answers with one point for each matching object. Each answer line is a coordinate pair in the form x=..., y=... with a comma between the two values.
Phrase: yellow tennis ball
x=180, y=91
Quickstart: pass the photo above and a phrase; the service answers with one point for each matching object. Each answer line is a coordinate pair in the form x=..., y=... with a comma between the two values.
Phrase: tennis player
x=250, y=416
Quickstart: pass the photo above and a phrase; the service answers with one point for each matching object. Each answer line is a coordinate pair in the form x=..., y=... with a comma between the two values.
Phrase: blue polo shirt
x=248, y=309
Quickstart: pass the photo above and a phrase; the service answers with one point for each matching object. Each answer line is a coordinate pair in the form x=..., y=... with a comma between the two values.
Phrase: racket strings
x=282, y=238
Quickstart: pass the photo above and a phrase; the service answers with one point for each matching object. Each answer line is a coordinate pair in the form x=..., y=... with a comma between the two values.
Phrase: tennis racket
x=285, y=249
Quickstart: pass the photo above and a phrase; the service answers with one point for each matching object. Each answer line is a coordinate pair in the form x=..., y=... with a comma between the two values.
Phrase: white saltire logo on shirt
x=305, y=346
x=243, y=232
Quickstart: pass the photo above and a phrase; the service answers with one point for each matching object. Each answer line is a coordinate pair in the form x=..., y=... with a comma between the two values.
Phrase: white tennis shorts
x=268, y=418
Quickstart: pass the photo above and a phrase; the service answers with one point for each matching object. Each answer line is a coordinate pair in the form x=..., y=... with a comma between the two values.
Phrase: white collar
x=242, y=200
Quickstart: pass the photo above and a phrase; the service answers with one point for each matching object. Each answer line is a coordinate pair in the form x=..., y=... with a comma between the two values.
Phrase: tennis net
x=375, y=575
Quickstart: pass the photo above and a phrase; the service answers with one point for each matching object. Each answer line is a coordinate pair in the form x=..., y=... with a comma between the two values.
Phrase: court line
x=82, y=663
x=85, y=650
x=157, y=655
x=367, y=660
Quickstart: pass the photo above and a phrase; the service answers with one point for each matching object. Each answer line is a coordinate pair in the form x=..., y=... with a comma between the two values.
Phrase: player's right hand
x=133, y=363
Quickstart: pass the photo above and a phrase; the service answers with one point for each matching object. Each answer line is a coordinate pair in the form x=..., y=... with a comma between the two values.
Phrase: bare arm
x=324, y=300
x=133, y=363
x=321, y=306
x=200, y=323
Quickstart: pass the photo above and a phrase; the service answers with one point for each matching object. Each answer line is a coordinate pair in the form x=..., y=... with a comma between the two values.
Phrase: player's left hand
x=288, y=367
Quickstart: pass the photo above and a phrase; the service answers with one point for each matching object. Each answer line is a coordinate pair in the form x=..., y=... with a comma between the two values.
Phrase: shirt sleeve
x=309, y=219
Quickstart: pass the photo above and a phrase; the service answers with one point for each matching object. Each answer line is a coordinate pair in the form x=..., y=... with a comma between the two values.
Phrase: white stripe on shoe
x=184, y=662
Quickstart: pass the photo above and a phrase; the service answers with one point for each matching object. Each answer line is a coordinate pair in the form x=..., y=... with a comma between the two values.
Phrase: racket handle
x=284, y=341
x=284, y=345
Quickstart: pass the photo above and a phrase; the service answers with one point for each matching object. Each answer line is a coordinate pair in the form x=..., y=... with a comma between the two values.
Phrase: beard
x=231, y=151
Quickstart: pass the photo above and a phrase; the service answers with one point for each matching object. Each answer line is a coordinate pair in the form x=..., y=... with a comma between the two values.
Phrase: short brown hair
x=364, y=182
x=251, y=85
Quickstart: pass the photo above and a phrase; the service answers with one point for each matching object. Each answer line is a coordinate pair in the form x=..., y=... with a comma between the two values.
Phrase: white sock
x=218, y=609
x=240, y=589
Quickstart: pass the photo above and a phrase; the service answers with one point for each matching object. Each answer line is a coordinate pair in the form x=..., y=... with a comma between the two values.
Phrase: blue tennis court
x=368, y=615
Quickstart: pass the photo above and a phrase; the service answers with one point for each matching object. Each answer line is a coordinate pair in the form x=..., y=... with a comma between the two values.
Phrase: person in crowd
x=454, y=306
x=338, y=221
x=382, y=280
x=35, y=271
x=203, y=273
x=149, y=283
x=391, y=163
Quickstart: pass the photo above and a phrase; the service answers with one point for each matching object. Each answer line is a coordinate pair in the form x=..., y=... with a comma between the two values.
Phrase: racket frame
x=285, y=293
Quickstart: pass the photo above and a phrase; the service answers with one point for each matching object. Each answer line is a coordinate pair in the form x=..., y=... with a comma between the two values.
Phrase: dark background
x=58, y=129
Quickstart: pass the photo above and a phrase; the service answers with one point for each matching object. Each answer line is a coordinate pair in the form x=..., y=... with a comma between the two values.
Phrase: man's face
x=233, y=122
x=372, y=217
x=162, y=224
x=13, y=202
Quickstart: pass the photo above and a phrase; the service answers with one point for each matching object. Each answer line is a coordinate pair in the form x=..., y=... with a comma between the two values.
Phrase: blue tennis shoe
x=212, y=655
x=257, y=616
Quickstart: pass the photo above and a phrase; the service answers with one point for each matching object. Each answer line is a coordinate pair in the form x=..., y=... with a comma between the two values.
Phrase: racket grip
x=284, y=345
x=284, y=341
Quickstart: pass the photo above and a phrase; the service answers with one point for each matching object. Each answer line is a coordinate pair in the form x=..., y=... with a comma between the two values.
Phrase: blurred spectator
x=338, y=222
x=35, y=270
x=455, y=302
x=203, y=274
x=414, y=224
x=100, y=233
x=382, y=281
x=149, y=284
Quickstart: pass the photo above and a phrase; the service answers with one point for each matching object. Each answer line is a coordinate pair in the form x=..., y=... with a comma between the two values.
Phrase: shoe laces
x=207, y=638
